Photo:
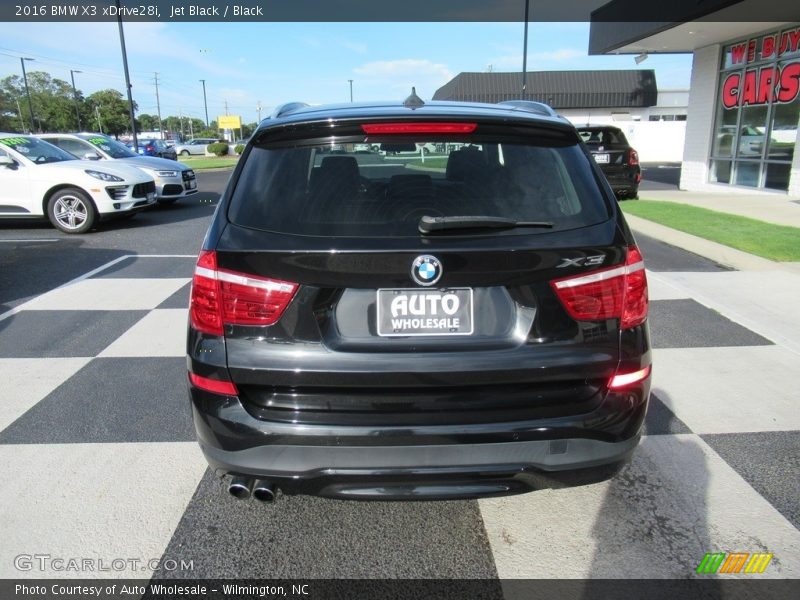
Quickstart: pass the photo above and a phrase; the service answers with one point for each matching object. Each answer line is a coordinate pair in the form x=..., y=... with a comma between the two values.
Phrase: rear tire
x=184, y=153
x=71, y=211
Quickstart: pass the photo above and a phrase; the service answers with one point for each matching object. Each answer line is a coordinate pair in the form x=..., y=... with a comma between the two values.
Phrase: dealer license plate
x=601, y=158
x=406, y=312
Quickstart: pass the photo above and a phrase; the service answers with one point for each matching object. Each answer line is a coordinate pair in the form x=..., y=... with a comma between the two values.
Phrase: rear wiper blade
x=429, y=225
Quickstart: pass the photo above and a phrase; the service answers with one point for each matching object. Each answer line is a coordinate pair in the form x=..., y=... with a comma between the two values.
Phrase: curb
x=719, y=253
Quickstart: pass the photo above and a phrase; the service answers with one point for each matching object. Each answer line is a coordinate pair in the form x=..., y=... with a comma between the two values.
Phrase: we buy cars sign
x=777, y=83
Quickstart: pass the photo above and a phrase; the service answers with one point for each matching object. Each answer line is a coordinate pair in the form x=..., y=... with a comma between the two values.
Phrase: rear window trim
x=300, y=139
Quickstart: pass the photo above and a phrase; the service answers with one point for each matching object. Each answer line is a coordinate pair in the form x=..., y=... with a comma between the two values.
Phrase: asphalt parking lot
x=100, y=458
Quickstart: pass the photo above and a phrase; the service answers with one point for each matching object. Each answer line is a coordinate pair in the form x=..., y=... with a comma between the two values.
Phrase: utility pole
x=158, y=108
x=525, y=54
x=127, y=79
x=19, y=112
x=205, y=102
x=351, y=90
x=258, y=108
x=27, y=90
x=180, y=118
x=75, y=96
x=226, y=107
x=97, y=114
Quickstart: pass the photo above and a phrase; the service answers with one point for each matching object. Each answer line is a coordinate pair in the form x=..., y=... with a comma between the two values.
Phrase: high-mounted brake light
x=223, y=297
x=621, y=380
x=216, y=386
x=401, y=128
x=617, y=292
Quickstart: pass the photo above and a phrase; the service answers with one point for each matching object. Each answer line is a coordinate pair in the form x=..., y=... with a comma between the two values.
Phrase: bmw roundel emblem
x=426, y=269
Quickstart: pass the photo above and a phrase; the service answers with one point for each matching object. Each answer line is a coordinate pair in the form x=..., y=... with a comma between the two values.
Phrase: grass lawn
x=776, y=242
x=434, y=162
x=209, y=162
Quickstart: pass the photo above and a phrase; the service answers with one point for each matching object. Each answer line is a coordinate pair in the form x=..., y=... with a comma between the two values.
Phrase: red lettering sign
x=761, y=86
x=794, y=40
x=730, y=90
x=768, y=46
x=766, y=83
x=749, y=88
x=737, y=53
x=789, y=83
x=751, y=51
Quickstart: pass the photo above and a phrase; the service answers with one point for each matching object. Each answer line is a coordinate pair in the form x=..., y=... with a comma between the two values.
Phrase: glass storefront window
x=726, y=133
x=747, y=173
x=783, y=136
x=752, y=132
x=721, y=172
x=758, y=110
x=777, y=177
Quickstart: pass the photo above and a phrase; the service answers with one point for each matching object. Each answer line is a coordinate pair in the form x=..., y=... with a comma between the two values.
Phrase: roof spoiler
x=287, y=109
x=540, y=108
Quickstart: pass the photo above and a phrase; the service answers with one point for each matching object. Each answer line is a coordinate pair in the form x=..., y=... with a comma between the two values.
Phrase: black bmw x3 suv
x=385, y=322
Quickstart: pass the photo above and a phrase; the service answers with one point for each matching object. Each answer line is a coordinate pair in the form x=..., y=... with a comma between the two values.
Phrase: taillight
x=620, y=380
x=405, y=128
x=223, y=297
x=215, y=386
x=618, y=292
x=633, y=157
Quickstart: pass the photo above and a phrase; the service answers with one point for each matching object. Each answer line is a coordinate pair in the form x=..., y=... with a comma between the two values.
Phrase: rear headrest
x=342, y=164
x=464, y=161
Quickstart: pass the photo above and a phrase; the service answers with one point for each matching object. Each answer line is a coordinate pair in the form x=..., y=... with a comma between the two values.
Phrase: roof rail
x=540, y=108
x=287, y=109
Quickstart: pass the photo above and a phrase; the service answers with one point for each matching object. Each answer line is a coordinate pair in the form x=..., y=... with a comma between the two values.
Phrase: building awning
x=692, y=25
x=630, y=88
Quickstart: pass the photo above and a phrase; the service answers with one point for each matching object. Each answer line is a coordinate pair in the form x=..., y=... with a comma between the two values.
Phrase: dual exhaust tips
x=242, y=488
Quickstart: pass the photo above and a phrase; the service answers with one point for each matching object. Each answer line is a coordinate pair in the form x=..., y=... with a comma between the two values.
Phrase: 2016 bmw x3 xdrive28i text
x=366, y=325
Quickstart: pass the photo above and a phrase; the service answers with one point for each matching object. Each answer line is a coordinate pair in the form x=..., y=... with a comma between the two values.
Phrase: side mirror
x=91, y=156
x=8, y=162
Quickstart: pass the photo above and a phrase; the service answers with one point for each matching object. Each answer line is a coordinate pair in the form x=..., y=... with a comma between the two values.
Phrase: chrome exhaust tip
x=264, y=491
x=240, y=488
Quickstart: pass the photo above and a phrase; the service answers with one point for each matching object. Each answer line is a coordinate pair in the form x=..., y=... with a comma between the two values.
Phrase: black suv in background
x=382, y=326
x=619, y=162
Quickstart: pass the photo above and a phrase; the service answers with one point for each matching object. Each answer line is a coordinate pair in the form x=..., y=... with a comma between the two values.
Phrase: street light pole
x=27, y=90
x=351, y=90
x=205, y=102
x=127, y=78
x=75, y=96
x=525, y=54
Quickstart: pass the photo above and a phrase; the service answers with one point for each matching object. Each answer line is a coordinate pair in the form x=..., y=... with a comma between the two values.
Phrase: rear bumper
x=623, y=179
x=426, y=472
x=442, y=461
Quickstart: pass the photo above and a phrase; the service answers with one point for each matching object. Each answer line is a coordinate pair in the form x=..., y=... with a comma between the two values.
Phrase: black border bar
x=393, y=10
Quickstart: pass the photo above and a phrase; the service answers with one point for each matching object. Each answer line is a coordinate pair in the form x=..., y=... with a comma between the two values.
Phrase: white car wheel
x=71, y=211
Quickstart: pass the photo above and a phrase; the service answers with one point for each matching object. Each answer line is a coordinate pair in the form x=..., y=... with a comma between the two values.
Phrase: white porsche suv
x=38, y=179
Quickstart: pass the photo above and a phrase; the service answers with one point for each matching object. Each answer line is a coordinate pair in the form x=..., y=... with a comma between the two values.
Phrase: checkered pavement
x=100, y=458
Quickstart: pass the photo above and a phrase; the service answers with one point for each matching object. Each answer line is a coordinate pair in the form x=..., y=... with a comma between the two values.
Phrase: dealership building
x=744, y=97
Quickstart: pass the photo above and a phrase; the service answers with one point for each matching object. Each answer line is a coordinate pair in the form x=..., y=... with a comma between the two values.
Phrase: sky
x=245, y=64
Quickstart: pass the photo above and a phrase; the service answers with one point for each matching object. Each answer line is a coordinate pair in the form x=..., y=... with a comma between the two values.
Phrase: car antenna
x=413, y=101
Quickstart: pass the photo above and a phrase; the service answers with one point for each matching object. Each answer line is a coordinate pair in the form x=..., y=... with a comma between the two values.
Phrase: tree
x=145, y=122
x=52, y=100
x=112, y=109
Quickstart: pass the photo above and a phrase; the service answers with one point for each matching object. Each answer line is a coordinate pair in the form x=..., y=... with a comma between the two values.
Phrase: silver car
x=173, y=179
x=195, y=146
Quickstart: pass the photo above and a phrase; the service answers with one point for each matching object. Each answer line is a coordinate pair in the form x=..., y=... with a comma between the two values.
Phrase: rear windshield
x=607, y=137
x=384, y=189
